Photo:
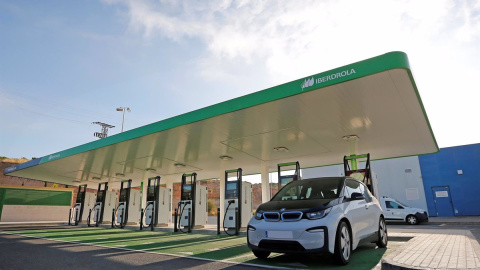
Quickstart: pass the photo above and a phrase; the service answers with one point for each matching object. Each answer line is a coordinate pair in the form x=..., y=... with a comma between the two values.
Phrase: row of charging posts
x=104, y=205
x=238, y=208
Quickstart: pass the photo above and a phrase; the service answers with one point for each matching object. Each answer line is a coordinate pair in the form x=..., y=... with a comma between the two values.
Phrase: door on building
x=443, y=201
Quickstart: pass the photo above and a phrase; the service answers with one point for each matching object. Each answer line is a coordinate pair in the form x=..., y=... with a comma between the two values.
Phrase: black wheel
x=412, y=220
x=382, y=234
x=261, y=254
x=343, y=244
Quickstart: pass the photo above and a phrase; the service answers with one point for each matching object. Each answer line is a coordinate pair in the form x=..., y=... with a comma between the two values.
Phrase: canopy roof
x=375, y=99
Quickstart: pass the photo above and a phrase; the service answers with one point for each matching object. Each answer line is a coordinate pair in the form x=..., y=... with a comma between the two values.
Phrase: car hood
x=302, y=205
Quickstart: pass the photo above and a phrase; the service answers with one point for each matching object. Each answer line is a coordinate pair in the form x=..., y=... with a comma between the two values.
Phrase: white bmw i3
x=331, y=214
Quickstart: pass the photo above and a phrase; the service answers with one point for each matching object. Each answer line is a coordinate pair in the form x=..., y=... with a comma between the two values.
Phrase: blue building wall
x=440, y=170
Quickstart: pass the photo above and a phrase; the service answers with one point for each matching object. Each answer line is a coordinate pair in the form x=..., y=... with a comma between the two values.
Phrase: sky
x=66, y=64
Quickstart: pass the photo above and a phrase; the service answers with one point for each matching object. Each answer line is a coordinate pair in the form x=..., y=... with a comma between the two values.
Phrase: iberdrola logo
x=307, y=83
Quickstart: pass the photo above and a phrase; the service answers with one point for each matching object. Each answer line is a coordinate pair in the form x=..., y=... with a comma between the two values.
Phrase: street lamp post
x=123, y=109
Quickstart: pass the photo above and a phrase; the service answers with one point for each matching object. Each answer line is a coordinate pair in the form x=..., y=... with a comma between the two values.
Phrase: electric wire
x=68, y=113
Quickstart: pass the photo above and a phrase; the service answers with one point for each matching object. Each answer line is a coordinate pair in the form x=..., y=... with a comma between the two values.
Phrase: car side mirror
x=356, y=196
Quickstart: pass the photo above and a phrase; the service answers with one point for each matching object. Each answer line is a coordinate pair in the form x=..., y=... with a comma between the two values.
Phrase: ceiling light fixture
x=119, y=174
x=179, y=165
x=96, y=178
x=282, y=149
x=151, y=169
x=225, y=157
x=350, y=137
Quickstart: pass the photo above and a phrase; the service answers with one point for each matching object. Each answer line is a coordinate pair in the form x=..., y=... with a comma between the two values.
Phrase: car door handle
x=366, y=206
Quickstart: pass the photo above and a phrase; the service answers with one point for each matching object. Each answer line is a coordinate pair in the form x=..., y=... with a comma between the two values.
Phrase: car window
x=365, y=193
x=393, y=205
x=352, y=186
x=310, y=189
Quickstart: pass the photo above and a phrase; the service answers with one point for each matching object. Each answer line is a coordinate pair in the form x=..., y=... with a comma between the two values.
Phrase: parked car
x=398, y=212
x=333, y=214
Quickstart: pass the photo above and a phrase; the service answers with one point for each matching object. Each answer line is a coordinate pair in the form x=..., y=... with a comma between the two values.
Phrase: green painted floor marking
x=214, y=247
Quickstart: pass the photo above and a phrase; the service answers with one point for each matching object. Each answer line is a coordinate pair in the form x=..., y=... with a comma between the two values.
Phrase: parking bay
x=210, y=247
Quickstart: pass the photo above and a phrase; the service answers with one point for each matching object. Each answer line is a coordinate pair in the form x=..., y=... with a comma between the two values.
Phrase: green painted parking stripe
x=207, y=247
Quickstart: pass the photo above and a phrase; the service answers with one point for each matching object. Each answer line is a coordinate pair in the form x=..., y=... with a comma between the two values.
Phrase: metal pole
x=141, y=219
x=218, y=221
x=113, y=217
x=153, y=216
x=189, y=221
x=236, y=221
x=123, y=119
x=98, y=218
x=69, y=216
x=175, y=219
x=123, y=222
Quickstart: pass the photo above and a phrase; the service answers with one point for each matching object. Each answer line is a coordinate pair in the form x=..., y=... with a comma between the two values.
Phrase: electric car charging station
x=104, y=204
x=306, y=119
x=157, y=211
x=287, y=178
x=76, y=212
x=238, y=202
x=350, y=166
x=129, y=199
x=193, y=206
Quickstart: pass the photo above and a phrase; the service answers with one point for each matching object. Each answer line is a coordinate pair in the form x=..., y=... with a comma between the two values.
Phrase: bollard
x=98, y=218
x=236, y=221
x=122, y=220
x=141, y=219
x=175, y=217
x=152, y=219
x=189, y=220
x=218, y=221
x=88, y=218
x=70, y=217
x=113, y=218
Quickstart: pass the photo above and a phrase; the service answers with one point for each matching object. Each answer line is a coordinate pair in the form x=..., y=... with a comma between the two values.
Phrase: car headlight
x=318, y=214
x=258, y=215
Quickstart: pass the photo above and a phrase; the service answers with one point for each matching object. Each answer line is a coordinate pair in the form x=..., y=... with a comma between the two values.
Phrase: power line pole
x=104, y=132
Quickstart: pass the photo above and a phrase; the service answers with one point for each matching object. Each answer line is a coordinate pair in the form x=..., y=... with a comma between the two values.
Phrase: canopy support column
x=222, y=195
x=169, y=184
x=265, y=183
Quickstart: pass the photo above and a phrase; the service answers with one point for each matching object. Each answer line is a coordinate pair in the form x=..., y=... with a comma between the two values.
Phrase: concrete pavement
x=435, y=249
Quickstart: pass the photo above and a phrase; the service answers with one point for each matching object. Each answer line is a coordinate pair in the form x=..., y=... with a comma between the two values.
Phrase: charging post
x=351, y=168
x=79, y=206
x=121, y=211
x=193, y=206
x=238, y=201
x=151, y=208
x=98, y=209
x=287, y=178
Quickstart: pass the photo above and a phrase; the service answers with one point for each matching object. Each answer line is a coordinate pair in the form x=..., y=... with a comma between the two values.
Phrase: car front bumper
x=287, y=237
x=422, y=217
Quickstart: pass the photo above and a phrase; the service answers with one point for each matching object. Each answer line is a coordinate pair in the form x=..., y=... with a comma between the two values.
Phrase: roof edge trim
x=381, y=63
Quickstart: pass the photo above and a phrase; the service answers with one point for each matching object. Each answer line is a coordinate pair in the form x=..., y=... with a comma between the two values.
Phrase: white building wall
x=398, y=178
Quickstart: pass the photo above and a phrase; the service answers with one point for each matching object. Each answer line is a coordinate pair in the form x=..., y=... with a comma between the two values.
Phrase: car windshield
x=310, y=189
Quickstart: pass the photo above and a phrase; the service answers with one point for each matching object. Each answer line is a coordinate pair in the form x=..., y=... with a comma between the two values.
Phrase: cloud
x=287, y=40
x=308, y=35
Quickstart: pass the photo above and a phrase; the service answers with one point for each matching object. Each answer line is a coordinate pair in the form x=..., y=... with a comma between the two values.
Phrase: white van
x=396, y=211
